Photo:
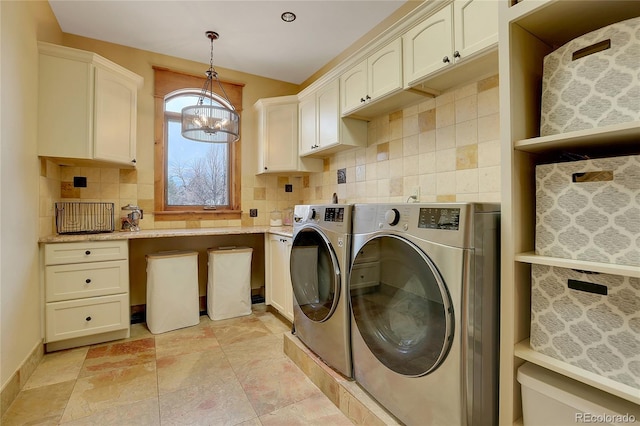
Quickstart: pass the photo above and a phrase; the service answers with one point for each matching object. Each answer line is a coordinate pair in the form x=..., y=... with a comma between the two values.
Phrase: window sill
x=197, y=215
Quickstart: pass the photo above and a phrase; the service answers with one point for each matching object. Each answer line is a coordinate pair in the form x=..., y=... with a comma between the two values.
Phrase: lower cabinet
x=279, y=292
x=86, y=293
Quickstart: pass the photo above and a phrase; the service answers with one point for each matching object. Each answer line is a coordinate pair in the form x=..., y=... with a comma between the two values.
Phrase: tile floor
x=229, y=372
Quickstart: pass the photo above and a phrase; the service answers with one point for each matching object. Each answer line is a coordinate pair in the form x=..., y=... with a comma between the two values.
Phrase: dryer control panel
x=443, y=223
x=439, y=218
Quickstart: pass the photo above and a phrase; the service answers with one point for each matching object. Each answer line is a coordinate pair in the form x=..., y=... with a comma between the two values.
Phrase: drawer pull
x=88, y=280
x=88, y=319
x=88, y=252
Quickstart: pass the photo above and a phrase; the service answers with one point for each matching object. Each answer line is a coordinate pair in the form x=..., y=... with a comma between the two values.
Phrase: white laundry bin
x=172, y=290
x=550, y=399
x=229, y=282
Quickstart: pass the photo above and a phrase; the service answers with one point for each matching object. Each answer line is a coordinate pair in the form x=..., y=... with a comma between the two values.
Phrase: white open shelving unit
x=528, y=31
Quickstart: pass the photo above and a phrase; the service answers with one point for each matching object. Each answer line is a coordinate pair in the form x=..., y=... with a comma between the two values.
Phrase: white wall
x=20, y=309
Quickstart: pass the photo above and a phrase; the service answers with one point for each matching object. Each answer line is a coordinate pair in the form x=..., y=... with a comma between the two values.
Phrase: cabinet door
x=279, y=278
x=328, y=99
x=115, y=117
x=288, y=287
x=308, y=124
x=476, y=25
x=65, y=107
x=281, y=138
x=353, y=87
x=426, y=45
x=385, y=70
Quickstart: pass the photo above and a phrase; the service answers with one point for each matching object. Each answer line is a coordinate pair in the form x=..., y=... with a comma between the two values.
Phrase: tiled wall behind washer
x=448, y=146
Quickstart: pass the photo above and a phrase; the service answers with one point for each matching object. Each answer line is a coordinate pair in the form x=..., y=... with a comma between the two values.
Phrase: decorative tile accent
x=467, y=157
x=382, y=152
x=342, y=176
x=259, y=193
x=67, y=190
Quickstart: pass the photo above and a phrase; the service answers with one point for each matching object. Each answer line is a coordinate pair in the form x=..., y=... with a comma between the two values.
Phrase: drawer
x=364, y=275
x=65, y=282
x=370, y=252
x=83, y=317
x=88, y=251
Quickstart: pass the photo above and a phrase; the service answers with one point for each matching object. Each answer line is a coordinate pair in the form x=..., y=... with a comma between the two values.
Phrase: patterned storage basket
x=589, y=210
x=593, y=81
x=588, y=320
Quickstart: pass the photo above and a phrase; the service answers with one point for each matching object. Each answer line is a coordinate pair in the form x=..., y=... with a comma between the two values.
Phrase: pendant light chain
x=212, y=73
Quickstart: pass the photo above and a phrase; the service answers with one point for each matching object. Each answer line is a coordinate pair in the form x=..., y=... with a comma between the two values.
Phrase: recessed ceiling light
x=288, y=16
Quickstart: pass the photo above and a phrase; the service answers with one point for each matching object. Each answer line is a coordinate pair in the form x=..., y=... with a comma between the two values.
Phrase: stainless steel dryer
x=424, y=297
x=320, y=256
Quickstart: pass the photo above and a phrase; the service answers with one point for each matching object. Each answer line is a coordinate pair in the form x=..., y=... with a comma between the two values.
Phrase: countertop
x=285, y=231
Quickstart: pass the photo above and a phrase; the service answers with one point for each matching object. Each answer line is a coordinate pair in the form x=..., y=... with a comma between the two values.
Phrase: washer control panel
x=334, y=214
x=439, y=218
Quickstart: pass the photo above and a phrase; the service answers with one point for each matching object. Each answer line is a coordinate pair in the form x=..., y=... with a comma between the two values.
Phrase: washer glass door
x=315, y=275
x=401, y=305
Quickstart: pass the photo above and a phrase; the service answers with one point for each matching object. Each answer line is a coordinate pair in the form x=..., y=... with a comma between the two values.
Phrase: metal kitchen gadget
x=130, y=218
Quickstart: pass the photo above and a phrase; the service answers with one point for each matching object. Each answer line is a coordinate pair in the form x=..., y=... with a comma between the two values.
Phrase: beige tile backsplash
x=447, y=146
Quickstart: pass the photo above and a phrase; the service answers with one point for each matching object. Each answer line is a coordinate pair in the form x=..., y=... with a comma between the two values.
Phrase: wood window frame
x=168, y=81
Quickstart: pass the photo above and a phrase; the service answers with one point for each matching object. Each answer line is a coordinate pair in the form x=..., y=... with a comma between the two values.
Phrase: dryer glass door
x=401, y=305
x=315, y=275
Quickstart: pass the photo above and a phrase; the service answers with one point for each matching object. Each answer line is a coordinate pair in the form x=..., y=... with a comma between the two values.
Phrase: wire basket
x=84, y=218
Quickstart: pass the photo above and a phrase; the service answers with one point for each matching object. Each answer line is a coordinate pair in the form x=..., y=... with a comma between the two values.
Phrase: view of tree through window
x=197, y=172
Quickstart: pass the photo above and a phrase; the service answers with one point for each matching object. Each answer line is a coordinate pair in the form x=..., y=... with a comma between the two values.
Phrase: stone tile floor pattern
x=229, y=372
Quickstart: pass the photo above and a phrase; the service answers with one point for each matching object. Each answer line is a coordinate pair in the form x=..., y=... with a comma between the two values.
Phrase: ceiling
x=253, y=38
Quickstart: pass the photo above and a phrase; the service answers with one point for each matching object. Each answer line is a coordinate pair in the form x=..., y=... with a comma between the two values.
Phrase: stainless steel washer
x=320, y=256
x=424, y=285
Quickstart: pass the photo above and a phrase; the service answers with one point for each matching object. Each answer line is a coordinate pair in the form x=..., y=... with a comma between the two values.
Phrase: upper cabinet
x=436, y=48
x=428, y=46
x=322, y=130
x=278, y=137
x=373, y=78
x=475, y=26
x=87, y=106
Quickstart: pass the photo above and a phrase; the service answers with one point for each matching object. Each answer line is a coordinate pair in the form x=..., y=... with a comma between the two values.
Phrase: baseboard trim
x=20, y=377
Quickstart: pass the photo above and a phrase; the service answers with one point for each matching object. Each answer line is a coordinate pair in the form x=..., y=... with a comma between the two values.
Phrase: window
x=196, y=173
x=194, y=180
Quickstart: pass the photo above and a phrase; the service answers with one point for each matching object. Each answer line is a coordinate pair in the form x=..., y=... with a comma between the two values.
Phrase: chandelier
x=209, y=120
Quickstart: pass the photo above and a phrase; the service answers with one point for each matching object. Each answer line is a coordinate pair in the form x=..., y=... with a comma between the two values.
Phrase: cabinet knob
x=265, y=168
x=88, y=280
x=88, y=319
x=446, y=60
x=456, y=54
x=368, y=97
x=88, y=252
x=134, y=161
x=361, y=100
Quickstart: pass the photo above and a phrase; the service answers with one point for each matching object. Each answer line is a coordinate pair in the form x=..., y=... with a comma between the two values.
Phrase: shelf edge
x=623, y=132
x=605, y=268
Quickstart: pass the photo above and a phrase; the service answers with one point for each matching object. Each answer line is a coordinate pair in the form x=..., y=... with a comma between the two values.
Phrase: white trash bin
x=172, y=290
x=550, y=399
x=229, y=282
